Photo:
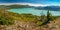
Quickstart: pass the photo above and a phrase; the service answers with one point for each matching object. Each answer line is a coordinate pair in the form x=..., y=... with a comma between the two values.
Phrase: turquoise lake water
x=33, y=11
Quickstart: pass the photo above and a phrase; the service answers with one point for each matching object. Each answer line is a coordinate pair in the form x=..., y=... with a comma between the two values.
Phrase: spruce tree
x=48, y=15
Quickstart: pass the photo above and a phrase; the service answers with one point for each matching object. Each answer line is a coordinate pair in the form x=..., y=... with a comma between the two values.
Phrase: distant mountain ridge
x=53, y=8
x=15, y=6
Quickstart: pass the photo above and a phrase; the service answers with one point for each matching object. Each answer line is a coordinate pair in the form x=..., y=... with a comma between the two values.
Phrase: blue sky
x=49, y=2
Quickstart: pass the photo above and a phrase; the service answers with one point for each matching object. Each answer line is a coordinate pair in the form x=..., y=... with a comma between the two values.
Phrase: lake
x=33, y=11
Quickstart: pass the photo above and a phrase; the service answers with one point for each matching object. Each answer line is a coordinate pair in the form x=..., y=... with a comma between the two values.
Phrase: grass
x=9, y=17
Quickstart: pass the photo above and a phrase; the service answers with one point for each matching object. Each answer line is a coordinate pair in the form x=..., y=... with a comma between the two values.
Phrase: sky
x=32, y=2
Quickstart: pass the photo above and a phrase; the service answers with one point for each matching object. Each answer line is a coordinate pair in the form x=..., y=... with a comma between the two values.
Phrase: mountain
x=53, y=8
x=15, y=6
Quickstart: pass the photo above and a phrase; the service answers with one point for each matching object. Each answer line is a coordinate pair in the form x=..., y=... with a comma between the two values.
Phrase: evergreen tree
x=48, y=15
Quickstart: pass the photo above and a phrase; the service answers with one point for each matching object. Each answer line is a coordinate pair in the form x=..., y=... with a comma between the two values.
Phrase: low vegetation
x=7, y=18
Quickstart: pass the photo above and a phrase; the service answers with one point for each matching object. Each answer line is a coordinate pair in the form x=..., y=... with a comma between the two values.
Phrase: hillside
x=15, y=21
x=15, y=6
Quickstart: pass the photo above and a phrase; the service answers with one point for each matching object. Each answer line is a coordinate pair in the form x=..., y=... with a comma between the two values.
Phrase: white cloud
x=30, y=4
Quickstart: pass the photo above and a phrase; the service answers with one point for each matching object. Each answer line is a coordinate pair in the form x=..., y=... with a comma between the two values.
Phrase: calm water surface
x=33, y=11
